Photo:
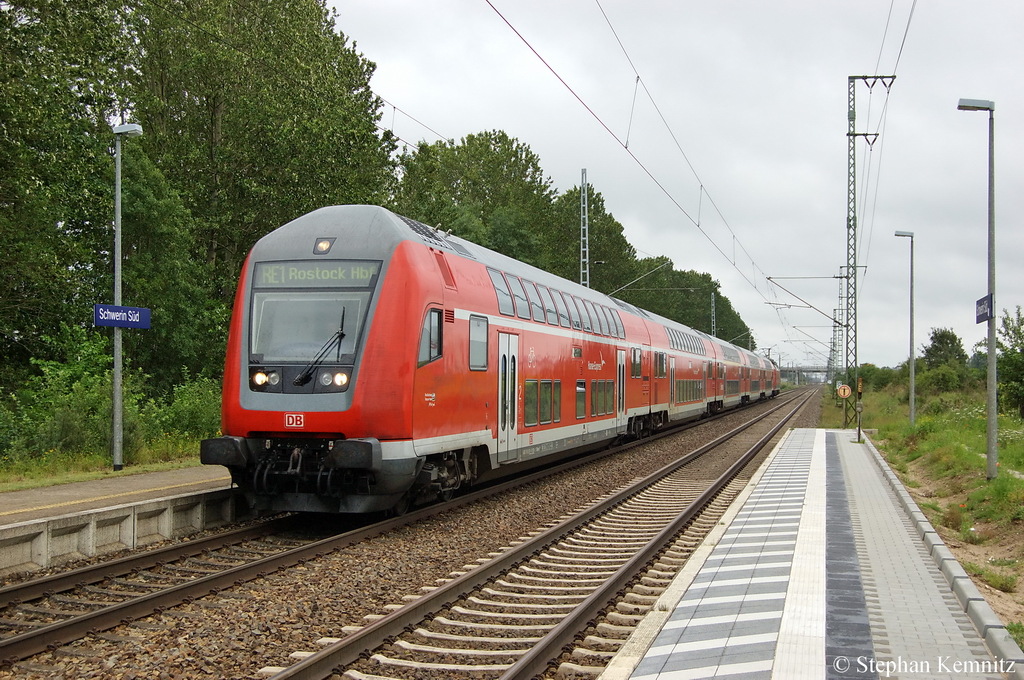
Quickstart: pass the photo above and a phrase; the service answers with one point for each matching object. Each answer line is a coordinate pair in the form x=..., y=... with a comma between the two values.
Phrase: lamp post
x=910, y=235
x=992, y=452
x=117, y=444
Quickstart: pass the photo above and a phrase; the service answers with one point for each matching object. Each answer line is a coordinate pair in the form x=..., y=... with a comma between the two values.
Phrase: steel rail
x=41, y=587
x=537, y=659
x=348, y=650
x=25, y=645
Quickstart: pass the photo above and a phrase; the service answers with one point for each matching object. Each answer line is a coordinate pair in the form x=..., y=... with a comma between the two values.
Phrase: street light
x=992, y=452
x=910, y=235
x=129, y=130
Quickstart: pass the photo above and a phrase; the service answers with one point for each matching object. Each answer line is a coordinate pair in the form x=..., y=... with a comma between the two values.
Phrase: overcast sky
x=755, y=94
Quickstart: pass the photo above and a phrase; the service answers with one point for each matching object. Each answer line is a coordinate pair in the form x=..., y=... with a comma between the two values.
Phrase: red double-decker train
x=375, y=362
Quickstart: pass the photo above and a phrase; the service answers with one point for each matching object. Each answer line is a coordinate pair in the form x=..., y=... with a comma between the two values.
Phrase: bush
x=193, y=410
x=63, y=415
x=944, y=378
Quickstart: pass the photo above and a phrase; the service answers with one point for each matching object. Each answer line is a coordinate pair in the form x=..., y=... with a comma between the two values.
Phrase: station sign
x=122, y=317
x=983, y=309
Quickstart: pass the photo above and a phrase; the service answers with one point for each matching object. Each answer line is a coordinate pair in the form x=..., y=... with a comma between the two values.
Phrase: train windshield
x=299, y=306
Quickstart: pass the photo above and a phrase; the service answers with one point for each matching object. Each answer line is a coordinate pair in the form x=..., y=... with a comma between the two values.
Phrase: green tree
x=488, y=188
x=62, y=66
x=257, y=113
x=1010, y=372
x=613, y=262
x=945, y=347
x=160, y=271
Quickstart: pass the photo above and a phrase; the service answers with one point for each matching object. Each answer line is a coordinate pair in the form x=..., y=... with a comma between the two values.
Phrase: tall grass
x=949, y=440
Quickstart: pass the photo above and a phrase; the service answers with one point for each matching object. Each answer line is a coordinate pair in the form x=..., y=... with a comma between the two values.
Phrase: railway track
x=512, y=616
x=45, y=614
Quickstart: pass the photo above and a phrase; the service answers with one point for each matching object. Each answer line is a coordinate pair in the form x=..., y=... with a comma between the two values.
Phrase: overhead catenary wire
x=621, y=143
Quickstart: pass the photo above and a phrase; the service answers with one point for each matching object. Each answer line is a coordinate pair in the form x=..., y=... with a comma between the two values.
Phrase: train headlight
x=333, y=380
x=263, y=379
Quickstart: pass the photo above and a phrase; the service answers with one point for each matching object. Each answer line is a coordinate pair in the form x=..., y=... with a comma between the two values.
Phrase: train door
x=620, y=407
x=671, y=382
x=709, y=380
x=508, y=397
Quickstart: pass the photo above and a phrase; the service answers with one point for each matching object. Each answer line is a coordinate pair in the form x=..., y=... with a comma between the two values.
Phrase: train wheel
x=402, y=506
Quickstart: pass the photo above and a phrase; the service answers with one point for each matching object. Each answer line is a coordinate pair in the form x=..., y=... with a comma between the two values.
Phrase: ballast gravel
x=236, y=632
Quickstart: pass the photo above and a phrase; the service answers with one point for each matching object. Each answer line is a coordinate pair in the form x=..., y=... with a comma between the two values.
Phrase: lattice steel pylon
x=584, y=233
x=850, y=362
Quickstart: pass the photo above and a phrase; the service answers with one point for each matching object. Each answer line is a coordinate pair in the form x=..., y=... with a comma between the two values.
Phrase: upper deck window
x=505, y=305
x=535, y=304
x=549, y=306
x=573, y=312
x=519, y=295
x=583, y=314
x=563, y=314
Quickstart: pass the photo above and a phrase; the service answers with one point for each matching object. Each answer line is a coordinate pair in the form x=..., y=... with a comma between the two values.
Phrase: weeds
x=59, y=422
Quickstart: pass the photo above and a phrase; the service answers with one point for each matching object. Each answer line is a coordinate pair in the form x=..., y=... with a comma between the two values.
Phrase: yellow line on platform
x=101, y=498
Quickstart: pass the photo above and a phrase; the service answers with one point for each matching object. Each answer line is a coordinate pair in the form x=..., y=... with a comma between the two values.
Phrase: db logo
x=294, y=420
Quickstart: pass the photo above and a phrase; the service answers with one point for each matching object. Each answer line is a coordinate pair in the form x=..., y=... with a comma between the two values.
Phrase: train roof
x=385, y=230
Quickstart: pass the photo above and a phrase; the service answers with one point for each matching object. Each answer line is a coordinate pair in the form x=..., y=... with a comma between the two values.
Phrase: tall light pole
x=910, y=235
x=117, y=445
x=992, y=451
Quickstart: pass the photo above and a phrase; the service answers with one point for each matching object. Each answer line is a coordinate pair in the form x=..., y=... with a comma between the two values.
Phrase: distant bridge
x=801, y=375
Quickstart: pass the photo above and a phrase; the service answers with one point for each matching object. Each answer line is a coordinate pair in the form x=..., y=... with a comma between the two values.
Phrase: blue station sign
x=123, y=317
x=983, y=309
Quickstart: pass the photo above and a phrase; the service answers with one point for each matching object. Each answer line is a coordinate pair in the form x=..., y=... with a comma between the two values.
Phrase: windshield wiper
x=307, y=373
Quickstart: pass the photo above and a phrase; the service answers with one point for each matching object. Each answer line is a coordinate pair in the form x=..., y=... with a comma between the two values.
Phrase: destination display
x=322, y=274
x=120, y=316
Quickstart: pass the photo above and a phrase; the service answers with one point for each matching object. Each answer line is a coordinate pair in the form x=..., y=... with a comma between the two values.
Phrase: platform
x=824, y=568
x=114, y=489
x=52, y=525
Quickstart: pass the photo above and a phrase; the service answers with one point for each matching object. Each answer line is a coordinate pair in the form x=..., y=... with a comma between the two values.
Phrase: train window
x=530, y=403
x=581, y=398
x=598, y=326
x=430, y=340
x=503, y=390
x=512, y=378
x=583, y=315
x=531, y=292
x=519, y=295
x=505, y=305
x=573, y=312
x=549, y=306
x=609, y=396
x=595, y=397
x=618, y=322
x=599, y=320
x=563, y=314
x=636, y=367
x=545, y=401
x=477, y=343
x=660, y=370
x=556, y=402
x=612, y=331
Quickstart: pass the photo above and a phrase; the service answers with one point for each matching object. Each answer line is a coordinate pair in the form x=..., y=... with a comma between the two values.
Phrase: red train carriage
x=375, y=362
